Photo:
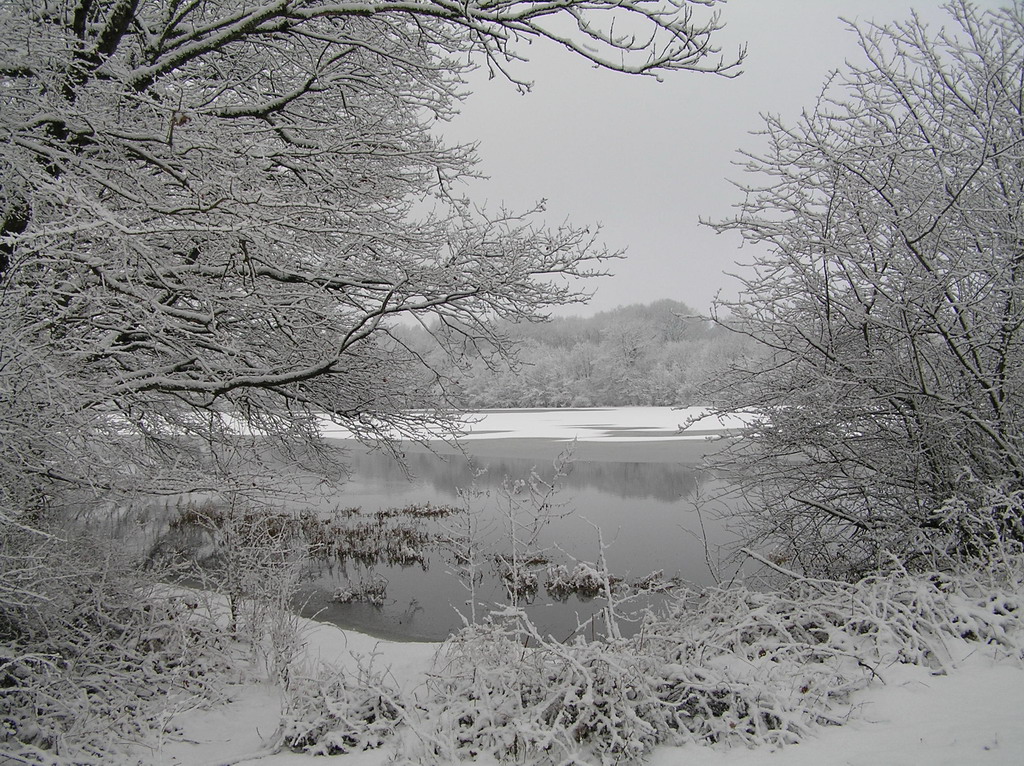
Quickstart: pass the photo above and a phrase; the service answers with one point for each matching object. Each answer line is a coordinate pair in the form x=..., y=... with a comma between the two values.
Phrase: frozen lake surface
x=592, y=425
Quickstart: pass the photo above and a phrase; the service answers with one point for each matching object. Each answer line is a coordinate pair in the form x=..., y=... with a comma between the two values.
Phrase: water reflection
x=644, y=513
x=446, y=475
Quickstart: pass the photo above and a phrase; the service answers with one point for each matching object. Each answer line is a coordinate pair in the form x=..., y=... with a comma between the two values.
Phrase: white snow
x=605, y=424
x=973, y=715
x=613, y=424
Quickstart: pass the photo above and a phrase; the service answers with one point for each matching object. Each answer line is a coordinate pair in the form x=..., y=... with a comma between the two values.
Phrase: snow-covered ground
x=970, y=715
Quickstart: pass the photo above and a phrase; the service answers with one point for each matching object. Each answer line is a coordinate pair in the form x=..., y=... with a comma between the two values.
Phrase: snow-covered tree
x=214, y=216
x=220, y=208
x=888, y=293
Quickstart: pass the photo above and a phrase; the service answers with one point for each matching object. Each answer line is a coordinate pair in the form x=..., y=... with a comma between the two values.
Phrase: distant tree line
x=642, y=354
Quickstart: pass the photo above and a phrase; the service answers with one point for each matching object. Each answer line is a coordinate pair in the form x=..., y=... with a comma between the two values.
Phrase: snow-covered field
x=971, y=714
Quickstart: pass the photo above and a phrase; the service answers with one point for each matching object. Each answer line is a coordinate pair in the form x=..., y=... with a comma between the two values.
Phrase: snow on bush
x=92, y=656
x=373, y=591
x=329, y=711
x=544, y=702
x=583, y=580
x=725, y=667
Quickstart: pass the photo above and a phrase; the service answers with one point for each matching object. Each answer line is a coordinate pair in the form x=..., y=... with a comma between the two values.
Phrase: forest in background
x=653, y=354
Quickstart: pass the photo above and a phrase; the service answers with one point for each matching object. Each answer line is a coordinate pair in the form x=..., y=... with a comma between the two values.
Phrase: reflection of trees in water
x=660, y=481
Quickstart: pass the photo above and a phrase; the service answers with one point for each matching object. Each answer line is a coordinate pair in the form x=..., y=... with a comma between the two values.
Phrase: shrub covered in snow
x=583, y=580
x=727, y=667
x=91, y=655
x=329, y=711
x=543, y=702
x=372, y=591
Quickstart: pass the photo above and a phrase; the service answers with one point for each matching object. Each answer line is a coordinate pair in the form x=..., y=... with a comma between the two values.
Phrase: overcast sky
x=647, y=159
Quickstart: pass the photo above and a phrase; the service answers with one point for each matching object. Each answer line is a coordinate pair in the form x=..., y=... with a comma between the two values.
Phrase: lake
x=631, y=481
